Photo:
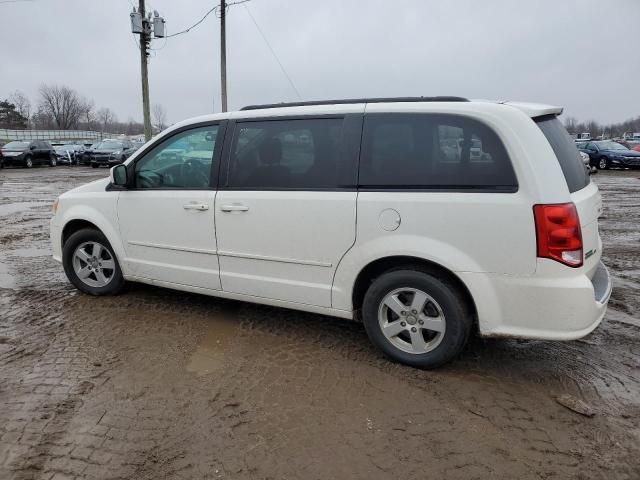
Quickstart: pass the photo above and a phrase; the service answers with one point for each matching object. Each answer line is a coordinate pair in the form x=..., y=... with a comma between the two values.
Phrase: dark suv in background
x=28, y=153
x=109, y=152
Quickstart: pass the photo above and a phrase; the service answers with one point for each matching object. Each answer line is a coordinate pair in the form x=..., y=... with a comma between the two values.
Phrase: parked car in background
x=28, y=153
x=587, y=161
x=137, y=144
x=68, y=153
x=110, y=152
x=606, y=154
x=276, y=223
x=85, y=155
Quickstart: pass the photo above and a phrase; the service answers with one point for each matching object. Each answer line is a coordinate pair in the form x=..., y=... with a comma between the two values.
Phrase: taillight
x=558, y=233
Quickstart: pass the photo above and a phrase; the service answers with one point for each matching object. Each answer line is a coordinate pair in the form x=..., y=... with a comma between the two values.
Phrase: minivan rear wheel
x=416, y=318
x=90, y=264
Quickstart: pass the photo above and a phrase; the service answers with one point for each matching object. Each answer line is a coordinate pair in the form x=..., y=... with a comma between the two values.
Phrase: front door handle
x=201, y=207
x=234, y=208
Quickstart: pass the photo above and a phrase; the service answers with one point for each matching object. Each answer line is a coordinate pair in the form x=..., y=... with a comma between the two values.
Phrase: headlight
x=117, y=152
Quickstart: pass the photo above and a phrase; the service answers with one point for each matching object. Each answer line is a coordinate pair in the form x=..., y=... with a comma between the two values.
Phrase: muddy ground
x=158, y=384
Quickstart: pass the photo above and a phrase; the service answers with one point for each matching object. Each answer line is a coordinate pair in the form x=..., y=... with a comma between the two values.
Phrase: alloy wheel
x=411, y=320
x=94, y=264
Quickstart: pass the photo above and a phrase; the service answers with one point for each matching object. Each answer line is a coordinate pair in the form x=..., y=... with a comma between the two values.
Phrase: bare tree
x=62, y=103
x=88, y=116
x=22, y=103
x=106, y=117
x=159, y=116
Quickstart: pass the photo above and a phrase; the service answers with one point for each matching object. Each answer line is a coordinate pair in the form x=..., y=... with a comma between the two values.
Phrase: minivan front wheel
x=416, y=318
x=90, y=264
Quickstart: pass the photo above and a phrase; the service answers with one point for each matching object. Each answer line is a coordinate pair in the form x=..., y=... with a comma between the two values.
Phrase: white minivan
x=428, y=219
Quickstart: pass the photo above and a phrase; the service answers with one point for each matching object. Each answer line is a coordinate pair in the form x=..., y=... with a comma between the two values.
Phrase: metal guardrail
x=7, y=135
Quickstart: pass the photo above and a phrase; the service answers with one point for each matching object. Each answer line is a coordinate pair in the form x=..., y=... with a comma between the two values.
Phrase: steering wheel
x=193, y=173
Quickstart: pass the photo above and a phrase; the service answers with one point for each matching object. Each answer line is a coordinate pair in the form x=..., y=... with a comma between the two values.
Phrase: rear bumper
x=542, y=306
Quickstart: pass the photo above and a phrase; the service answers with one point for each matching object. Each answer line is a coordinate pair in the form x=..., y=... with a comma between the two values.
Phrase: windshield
x=108, y=146
x=16, y=145
x=611, y=146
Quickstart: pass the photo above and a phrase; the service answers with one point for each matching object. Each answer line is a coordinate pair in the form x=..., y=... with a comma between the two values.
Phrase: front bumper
x=55, y=234
x=13, y=160
x=543, y=306
x=105, y=161
x=626, y=162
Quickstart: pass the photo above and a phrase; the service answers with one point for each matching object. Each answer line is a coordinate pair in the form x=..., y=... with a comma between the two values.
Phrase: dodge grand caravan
x=427, y=219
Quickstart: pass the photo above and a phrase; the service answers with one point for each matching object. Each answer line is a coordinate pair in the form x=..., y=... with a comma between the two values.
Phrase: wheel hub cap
x=411, y=320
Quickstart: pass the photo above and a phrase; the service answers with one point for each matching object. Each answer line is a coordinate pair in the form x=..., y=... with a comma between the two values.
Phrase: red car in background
x=636, y=148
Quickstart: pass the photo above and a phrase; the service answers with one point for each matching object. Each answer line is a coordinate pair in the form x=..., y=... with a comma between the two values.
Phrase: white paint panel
x=164, y=241
x=286, y=245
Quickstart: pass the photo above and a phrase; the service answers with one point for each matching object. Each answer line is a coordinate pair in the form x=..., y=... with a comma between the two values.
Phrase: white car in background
x=358, y=209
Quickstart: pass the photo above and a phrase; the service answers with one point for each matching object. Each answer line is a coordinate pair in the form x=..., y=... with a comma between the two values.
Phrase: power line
x=217, y=7
x=273, y=53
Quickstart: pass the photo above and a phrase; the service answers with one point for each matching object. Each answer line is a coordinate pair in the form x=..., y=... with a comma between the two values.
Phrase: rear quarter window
x=566, y=152
x=433, y=151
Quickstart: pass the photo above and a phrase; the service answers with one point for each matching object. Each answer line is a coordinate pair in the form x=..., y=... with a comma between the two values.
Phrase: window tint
x=182, y=161
x=285, y=154
x=432, y=151
x=566, y=152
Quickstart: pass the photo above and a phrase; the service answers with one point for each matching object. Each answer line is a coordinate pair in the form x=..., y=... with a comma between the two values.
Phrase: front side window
x=182, y=161
x=286, y=154
x=433, y=151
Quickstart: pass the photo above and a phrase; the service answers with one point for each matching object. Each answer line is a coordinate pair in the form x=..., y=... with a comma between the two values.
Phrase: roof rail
x=356, y=100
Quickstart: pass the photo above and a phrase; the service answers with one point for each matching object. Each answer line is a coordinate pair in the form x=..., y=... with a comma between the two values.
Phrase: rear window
x=566, y=152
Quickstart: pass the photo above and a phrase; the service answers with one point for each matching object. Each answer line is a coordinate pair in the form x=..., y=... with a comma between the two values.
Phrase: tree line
x=59, y=107
x=614, y=130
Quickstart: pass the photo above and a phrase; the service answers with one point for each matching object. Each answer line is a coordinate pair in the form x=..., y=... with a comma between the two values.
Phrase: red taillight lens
x=558, y=233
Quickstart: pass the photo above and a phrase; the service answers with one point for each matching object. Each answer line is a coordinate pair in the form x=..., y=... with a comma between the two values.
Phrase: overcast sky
x=582, y=54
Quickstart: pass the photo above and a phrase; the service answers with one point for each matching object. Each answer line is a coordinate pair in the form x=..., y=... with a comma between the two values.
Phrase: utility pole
x=223, y=54
x=143, y=25
x=144, y=73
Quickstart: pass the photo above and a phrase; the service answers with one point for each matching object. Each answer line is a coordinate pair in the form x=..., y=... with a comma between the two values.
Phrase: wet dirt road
x=159, y=384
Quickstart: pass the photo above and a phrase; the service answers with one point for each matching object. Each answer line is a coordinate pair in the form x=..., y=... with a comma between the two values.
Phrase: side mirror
x=119, y=175
x=32, y=147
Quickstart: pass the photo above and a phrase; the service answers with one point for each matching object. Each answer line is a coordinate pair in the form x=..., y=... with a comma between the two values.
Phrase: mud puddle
x=210, y=353
x=11, y=208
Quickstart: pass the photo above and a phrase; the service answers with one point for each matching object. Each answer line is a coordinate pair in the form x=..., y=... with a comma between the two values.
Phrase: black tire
x=93, y=165
x=116, y=283
x=457, y=315
x=52, y=160
x=28, y=161
x=603, y=163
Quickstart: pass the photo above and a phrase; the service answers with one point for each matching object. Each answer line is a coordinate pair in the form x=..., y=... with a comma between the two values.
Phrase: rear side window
x=433, y=151
x=566, y=152
x=288, y=154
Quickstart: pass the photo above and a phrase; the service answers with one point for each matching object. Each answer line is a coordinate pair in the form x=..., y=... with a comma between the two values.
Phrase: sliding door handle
x=235, y=207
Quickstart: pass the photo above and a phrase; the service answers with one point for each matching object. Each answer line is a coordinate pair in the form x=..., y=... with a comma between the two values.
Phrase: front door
x=167, y=218
x=286, y=210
